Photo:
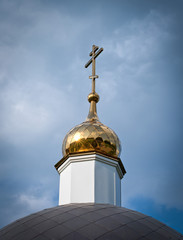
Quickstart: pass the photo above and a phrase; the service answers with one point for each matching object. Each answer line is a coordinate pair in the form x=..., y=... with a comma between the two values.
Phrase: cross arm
x=96, y=55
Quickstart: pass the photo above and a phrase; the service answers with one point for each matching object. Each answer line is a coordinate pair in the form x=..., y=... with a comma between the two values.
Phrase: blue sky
x=44, y=46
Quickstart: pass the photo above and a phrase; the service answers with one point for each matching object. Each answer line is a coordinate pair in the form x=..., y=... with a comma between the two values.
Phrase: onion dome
x=92, y=135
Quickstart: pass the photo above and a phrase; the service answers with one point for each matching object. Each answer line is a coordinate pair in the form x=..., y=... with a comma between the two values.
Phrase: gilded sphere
x=93, y=97
x=91, y=136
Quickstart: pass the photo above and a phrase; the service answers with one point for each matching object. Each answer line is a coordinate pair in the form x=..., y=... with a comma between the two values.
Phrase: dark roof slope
x=88, y=221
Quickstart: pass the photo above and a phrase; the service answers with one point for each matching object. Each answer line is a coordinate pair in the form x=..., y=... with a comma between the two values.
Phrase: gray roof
x=88, y=221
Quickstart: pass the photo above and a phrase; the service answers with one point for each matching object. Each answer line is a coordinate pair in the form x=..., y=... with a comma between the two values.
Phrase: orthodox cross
x=94, y=54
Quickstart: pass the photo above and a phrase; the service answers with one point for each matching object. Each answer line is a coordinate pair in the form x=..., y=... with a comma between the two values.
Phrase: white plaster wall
x=90, y=178
x=65, y=186
x=107, y=184
x=82, y=182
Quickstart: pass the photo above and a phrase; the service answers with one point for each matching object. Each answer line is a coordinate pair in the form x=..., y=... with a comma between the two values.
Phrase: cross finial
x=93, y=97
x=94, y=54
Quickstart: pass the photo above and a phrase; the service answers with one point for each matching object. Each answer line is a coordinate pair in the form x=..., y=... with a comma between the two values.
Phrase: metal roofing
x=88, y=221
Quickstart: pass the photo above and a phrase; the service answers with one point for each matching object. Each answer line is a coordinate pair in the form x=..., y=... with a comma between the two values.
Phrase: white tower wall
x=90, y=178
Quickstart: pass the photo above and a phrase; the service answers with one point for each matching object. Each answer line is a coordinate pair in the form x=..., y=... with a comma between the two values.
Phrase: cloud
x=35, y=203
x=140, y=43
x=29, y=111
x=33, y=78
x=147, y=117
x=24, y=203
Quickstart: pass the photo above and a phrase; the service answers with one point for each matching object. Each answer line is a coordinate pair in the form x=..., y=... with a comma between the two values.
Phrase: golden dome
x=92, y=135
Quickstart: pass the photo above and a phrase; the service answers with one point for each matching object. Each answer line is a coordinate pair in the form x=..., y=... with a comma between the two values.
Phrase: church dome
x=91, y=136
x=86, y=221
